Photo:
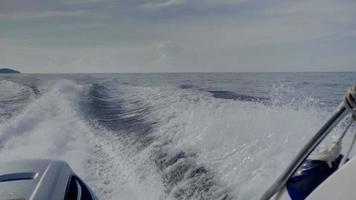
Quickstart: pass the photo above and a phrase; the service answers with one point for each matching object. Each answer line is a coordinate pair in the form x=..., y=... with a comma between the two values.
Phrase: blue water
x=167, y=136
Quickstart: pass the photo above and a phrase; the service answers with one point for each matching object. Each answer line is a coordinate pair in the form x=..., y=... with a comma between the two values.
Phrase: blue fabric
x=312, y=173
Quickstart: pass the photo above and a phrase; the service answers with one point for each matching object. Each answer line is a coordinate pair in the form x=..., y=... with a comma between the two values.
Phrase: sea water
x=167, y=136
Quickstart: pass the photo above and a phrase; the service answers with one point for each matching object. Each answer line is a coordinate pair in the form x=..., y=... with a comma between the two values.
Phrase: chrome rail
x=278, y=185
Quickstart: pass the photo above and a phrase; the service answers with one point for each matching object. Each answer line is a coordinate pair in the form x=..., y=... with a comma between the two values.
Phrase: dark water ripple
x=105, y=107
x=11, y=104
x=221, y=94
x=35, y=90
x=186, y=86
x=225, y=94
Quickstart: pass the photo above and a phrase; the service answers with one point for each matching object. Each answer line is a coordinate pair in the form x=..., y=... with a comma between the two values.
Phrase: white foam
x=9, y=89
x=52, y=127
x=13, y=97
x=246, y=144
x=45, y=128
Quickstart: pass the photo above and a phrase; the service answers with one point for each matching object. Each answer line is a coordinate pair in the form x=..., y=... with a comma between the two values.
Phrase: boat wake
x=155, y=142
x=121, y=110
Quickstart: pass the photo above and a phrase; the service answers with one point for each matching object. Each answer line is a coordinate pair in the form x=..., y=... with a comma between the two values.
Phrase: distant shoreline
x=8, y=71
x=68, y=73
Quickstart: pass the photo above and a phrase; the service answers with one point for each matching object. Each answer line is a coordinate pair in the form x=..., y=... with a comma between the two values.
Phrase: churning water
x=167, y=136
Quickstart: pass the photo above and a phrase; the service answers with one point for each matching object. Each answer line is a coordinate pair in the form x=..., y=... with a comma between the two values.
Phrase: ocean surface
x=216, y=136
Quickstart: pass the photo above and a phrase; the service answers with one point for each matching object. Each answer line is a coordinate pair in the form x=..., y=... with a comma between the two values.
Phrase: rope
x=350, y=104
x=346, y=129
x=329, y=154
x=349, y=151
x=343, y=160
x=350, y=101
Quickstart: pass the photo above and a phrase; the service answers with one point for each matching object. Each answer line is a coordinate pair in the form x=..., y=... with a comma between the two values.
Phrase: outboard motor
x=42, y=180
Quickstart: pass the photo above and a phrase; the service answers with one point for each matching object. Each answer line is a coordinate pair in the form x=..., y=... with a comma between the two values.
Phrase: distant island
x=8, y=71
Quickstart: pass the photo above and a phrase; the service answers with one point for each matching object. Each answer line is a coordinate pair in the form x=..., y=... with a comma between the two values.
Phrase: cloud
x=74, y=2
x=163, y=4
x=177, y=35
x=44, y=15
x=169, y=49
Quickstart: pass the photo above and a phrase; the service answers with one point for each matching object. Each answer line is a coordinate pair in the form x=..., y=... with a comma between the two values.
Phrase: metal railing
x=278, y=185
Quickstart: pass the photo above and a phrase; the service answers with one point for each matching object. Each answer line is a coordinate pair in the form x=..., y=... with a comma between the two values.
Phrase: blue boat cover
x=309, y=176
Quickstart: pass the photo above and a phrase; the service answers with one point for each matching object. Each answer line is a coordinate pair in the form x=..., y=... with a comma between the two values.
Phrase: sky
x=124, y=36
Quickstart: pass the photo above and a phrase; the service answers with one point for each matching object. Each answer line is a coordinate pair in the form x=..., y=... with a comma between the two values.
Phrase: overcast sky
x=51, y=36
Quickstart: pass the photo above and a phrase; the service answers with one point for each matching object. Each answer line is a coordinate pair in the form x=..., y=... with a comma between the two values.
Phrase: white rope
x=348, y=152
x=350, y=104
x=345, y=131
x=350, y=100
x=330, y=152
